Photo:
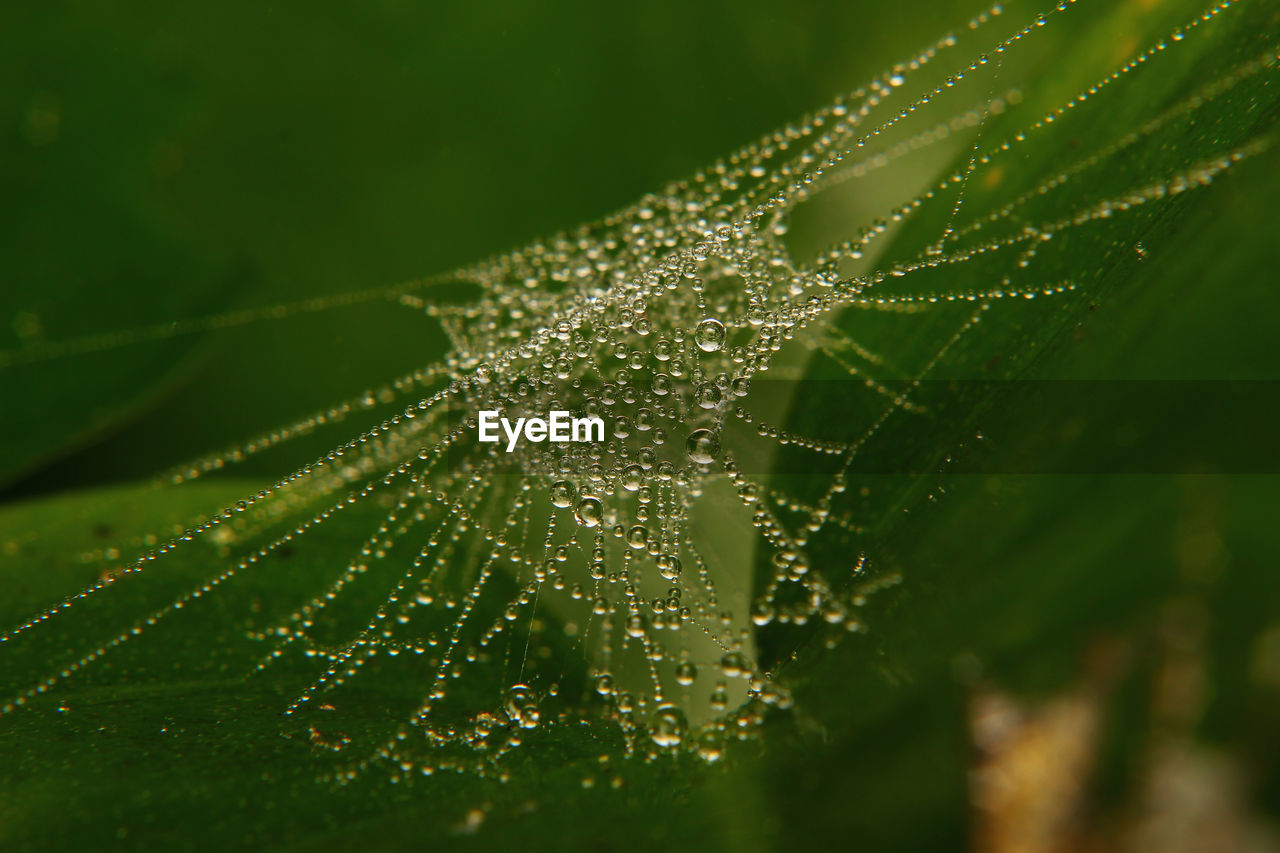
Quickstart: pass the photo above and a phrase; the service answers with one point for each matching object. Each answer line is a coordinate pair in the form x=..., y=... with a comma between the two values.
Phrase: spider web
x=654, y=584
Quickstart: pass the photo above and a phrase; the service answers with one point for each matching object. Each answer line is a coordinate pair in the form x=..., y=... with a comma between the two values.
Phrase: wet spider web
x=630, y=584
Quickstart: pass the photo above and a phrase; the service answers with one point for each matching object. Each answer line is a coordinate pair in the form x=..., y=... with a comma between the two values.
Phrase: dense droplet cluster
x=625, y=581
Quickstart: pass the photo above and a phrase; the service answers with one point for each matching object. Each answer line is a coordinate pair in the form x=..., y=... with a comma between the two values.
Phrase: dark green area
x=205, y=158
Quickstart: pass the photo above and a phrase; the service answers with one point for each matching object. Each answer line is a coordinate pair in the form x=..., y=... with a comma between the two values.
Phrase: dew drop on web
x=702, y=446
x=709, y=335
x=589, y=512
x=668, y=726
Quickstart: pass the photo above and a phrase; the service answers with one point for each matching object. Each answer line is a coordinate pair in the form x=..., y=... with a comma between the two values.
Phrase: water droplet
x=734, y=664
x=708, y=395
x=522, y=706
x=709, y=335
x=710, y=746
x=669, y=566
x=561, y=494
x=638, y=536
x=686, y=672
x=632, y=478
x=589, y=512
x=703, y=446
x=720, y=696
x=668, y=727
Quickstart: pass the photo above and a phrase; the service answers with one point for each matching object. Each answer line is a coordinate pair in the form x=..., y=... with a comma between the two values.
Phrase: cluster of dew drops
x=657, y=320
